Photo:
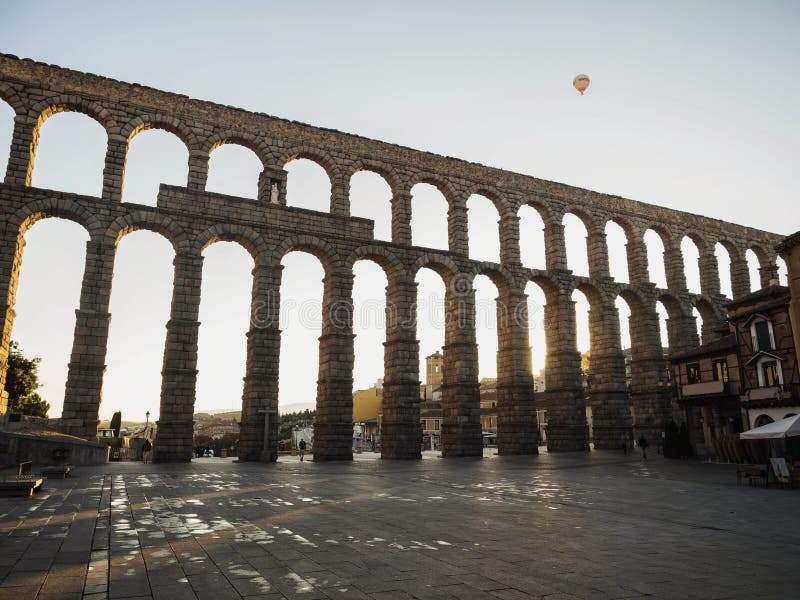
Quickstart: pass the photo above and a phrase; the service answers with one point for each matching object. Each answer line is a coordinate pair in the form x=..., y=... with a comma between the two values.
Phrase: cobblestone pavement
x=596, y=525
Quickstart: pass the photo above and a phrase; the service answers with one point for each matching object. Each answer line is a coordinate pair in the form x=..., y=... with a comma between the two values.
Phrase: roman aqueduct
x=192, y=218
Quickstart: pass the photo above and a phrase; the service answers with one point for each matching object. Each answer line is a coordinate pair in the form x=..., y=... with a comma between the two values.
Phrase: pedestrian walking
x=624, y=446
x=302, y=447
x=628, y=441
x=643, y=445
x=146, y=448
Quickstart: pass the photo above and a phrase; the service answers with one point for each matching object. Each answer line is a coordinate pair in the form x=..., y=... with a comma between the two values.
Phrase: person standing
x=643, y=445
x=146, y=448
x=302, y=447
x=624, y=446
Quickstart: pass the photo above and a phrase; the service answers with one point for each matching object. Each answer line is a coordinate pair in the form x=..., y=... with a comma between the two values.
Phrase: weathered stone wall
x=192, y=218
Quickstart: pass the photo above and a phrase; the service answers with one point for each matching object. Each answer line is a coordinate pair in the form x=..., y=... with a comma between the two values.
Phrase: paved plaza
x=597, y=525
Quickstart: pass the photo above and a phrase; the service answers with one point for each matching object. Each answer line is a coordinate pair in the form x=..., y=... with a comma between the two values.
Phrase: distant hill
x=296, y=407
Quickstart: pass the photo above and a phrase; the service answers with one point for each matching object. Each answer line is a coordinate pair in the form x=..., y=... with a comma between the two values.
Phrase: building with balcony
x=746, y=378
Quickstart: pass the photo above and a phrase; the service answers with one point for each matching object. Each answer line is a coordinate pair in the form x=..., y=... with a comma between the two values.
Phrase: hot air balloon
x=581, y=82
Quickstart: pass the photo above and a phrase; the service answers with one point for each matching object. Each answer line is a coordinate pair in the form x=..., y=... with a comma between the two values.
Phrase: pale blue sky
x=691, y=106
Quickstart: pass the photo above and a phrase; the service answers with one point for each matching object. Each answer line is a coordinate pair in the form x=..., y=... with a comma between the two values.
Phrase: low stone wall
x=45, y=450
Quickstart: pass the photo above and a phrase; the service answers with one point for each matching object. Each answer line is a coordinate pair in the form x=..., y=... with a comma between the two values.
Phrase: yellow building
x=367, y=404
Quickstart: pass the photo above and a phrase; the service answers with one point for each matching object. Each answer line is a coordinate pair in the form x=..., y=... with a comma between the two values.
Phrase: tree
x=22, y=381
x=116, y=422
x=586, y=364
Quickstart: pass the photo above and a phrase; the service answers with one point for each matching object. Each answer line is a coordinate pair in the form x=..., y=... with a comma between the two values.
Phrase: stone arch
x=319, y=156
x=547, y=285
x=711, y=316
x=151, y=221
x=505, y=208
x=630, y=239
x=45, y=109
x=246, y=237
x=63, y=208
x=156, y=121
x=18, y=103
x=313, y=245
x=593, y=294
x=382, y=256
x=377, y=167
x=443, y=266
x=240, y=138
x=501, y=277
x=440, y=183
x=485, y=225
x=541, y=207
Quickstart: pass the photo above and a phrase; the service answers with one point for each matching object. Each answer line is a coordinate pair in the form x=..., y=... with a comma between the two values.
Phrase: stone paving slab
x=596, y=525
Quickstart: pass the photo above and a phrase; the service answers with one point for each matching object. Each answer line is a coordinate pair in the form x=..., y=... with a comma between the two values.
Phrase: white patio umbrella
x=788, y=427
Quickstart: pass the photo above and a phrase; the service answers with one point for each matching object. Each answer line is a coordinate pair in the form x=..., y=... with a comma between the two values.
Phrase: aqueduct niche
x=192, y=218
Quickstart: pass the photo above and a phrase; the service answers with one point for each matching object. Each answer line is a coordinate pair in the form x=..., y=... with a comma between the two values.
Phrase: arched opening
x=582, y=332
x=234, y=170
x=655, y=258
x=663, y=315
x=301, y=325
x=531, y=238
x=6, y=134
x=430, y=329
x=71, y=154
x=140, y=307
x=691, y=264
x=536, y=332
x=224, y=317
x=369, y=327
x=752, y=270
x=307, y=185
x=428, y=217
x=483, y=229
x=783, y=272
x=575, y=239
x=48, y=293
x=371, y=198
x=698, y=319
x=616, y=241
x=155, y=156
x=486, y=325
x=624, y=312
x=724, y=268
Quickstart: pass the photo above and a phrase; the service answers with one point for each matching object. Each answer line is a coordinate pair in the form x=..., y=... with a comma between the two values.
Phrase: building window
x=769, y=370
x=693, y=373
x=761, y=332
x=719, y=368
x=436, y=425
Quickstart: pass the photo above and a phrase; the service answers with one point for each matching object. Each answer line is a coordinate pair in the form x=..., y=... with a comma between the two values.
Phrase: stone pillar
x=179, y=376
x=198, y=170
x=259, y=424
x=673, y=267
x=650, y=392
x=401, y=218
x=340, y=195
x=789, y=249
x=597, y=252
x=509, y=239
x=636, y=252
x=740, y=275
x=83, y=392
x=564, y=398
x=709, y=273
x=11, y=246
x=682, y=333
x=768, y=273
x=400, y=425
x=555, y=247
x=22, y=152
x=611, y=416
x=272, y=186
x=333, y=424
x=114, y=170
x=461, y=403
x=517, y=424
x=457, y=226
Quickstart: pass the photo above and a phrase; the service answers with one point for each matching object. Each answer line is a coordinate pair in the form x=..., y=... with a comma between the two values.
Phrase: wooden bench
x=61, y=471
x=24, y=484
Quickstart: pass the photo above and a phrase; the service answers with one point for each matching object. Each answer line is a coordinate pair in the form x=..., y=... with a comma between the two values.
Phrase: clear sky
x=692, y=106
